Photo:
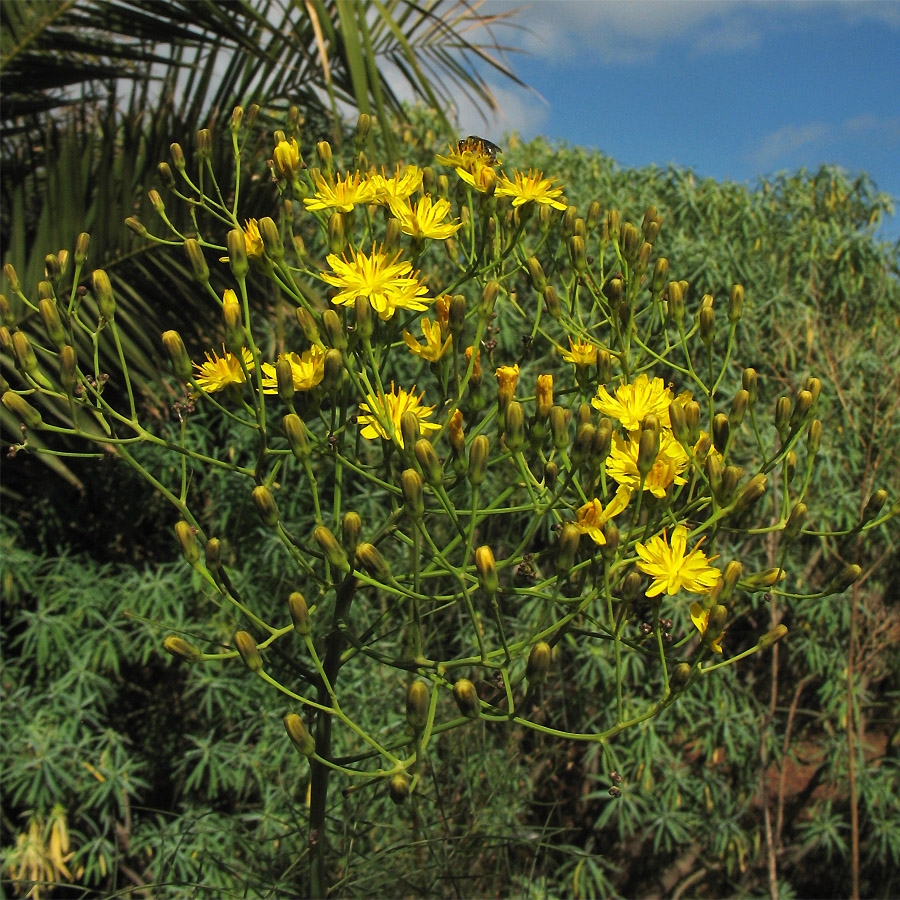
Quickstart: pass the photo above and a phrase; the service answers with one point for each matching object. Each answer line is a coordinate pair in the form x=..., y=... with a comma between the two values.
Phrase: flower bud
x=559, y=428
x=178, y=156
x=715, y=624
x=411, y=485
x=776, y=634
x=189, y=547
x=551, y=474
x=237, y=253
x=814, y=386
x=68, y=369
x=248, y=650
x=614, y=291
x=814, y=438
x=782, y=417
x=237, y=116
x=399, y=788
x=198, y=262
x=103, y=292
x=514, y=434
x=538, y=663
x=478, y=456
x=678, y=421
x=630, y=242
x=334, y=330
x=488, y=299
x=736, y=304
x=731, y=476
x=284, y=380
x=22, y=409
x=543, y=400
x=213, y=554
x=265, y=505
x=578, y=253
x=611, y=535
x=334, y=371
x=660, y=275
x=795, y=522
x=333, y=551
x=567, y=549
x=368, y=556
x=874, y=504
x=234, y=331
x=297, y=436
x=271, y=239
x=204, y=144
x=680, y=677
x=52, y=322
x=613, y=220
x=351, y=526
x=790, y=466
x=648, y=450
x=551, y=301
x=417, y=698
x=486, y=568
x=299, y=613
x=738, y=408
x=749, y=383
x=466, y=698
x=456, y=435
x=720, y=431
x=765, y=579
x=847, y=576
x=179, y=647
x=602, y=442
x=714, y=472
x=457, y=314
x=166, y=176
x=25, y=355
x=802, y=407
x=753, y=490
x=676, y=301
x=582, y=444
x=707, y=324
x=536, y=274
x=427, y=458
x=692, y=421
x=302, y=740
x=323, y=151
x=730, y=578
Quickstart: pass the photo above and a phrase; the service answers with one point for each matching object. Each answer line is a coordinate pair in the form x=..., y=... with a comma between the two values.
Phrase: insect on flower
x=481, y=145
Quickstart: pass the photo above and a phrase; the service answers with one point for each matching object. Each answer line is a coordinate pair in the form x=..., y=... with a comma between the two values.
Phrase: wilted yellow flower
x=376, y=412
x=425, y=219
x=700, y=618
x=341, y=195
x=396, y=188
x=218, y=372
x=433, y=349
x=442, y=308
x=476, y=369
x=307, y=370
x=583, y=353
x=386, y=283
x=672, y=568
x=621, y=464
x=531, y=188
x=507, y=378
x=287, y=157
x=591, y=517
x=633, y=402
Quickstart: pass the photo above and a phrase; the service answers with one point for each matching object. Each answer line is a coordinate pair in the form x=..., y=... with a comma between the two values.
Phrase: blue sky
x=732, y=90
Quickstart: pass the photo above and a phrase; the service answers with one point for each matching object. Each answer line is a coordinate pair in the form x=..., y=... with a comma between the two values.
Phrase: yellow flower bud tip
x=776, y=634
x=814, y=438
x=265, y=505
x=248, y=650
x=466, y=698
x=847, y=576
x=765, y=579
x=543, y=400
x=486, y=568
x=399, y=789
x=417, y=701
x=22, y=409
x=427, y=458
x=299, y=613
x=411, y=485
x=707, y=325
x=749, y=381
x=351, y=526
x=204, y=144
x=514, y=420
x=488, y=299
x=478, y=455
x=271, y=239
x=333, y=551
x=189, y=546
x=180, y=648
x=538, y=663
x=736, y=304
x=874, y=504
x=213, y=554
x=199, y=268
x=302, y=740
x=369, y=557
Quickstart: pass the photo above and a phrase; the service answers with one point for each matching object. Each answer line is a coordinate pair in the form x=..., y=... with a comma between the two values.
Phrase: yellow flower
x=466, y=154
x=253, y=241
x=442, y=308
x=377, y=412
x=287, y=157
x=481, y=177
x=397, y=188
x=672, y=569
x=507, y=378
x=700, y=618
x=432, y=350
x=425, y=219
x=341, y=195
x=621, y=465
x=476, y=369
x=218, y=372
x=387, y=283
x=530, y=188
x=583, y=353
x=307, y=370
x=633, y=402
x=591, y=517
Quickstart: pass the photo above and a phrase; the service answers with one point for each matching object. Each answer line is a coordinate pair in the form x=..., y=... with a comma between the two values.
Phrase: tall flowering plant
x=581, y=492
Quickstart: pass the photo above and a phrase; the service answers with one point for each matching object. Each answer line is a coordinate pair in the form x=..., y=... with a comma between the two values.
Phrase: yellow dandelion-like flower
x=583, y=353
x=253, y=241
x=621, y=464
x=591, y=517
x=398, y=187
x=700, y=618
x=341, y=195
x=481, y=177
x=377, y=412
x=468, y=153
x=672, y=568
x=387, y=283
x=531, y=188
x=307, y=370
x=218, y=372
x=425, y=219
x=633, y=402
x=433, y=349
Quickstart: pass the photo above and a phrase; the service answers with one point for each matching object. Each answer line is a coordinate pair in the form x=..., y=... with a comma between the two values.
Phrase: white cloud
x=520, y=111
x=775, y=146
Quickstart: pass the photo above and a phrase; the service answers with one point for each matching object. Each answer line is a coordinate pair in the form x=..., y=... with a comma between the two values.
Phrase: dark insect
x=475, y=144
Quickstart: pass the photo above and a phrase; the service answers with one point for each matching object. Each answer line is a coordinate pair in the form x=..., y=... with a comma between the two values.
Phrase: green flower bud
x=738, y=408
x=551, y=301
x=178, y=156
x=478, y=455
x=271, y=239
x=660, y=275
x=614, y=291
x=648, y=450
x=731, y=477
x=643, y=261
x=715, y=624
x=631, y=586
x=213, y=554
x=237, y=254
x=372, y=561
x=7, y=314
x=765, y=579
x=847, y=576
x=814, y=437
x=720, y=431
x=82, y=242
x=133, y=223
x=45, y=291
x=302, y=740
x=602, y=442
x=252, y=113
x=68, y=369
x=680, y=677
x=714, y=473
x=204, y=144
x=466, y=698
x=558, y=428
x=237, y=116
x=611, y=547
x=195, y=256
x=753, y=490
x=795, y=522
x=782, y=417
x=457, y=314
x=323, y=151
x=393, y=231
x=814, y=386
x=736, y=304
x=351, y=526
x=417, y=699
x=536, y=274
x=678, y=420
x=22, y=409
x=365, y=324
x=630, y=243
x=333, y=551
x=488, y=299
x=284, y=381
x=707, y=325
x=411, y=486
x=189, y=547
x=334, y=330
x=567, y=549
x=776, y=634
x=514, y=435
x=334, y=371
x=676, y=301
x=749, y=383
x=730, y=577
x=613, y=220
x=790, y=466
x=486, y=568
x=578, y=253
x=248, y=650
x=308, y=325
x=427, y=458
x=551, y=474
x=52, y=268
x=802, y=407
x=692, y=420
x=399, y=789
x=265, y=505
x=180, y=648
x=297, y=436
x=299, y=613
x=410, y=431
x=337, y=237
x=874, y=504
x=12, y=277
x=165, y=176
x=234, y=329
x=538, y=663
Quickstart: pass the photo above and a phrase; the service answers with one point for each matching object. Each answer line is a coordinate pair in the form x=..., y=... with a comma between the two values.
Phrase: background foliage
x=176, y=781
